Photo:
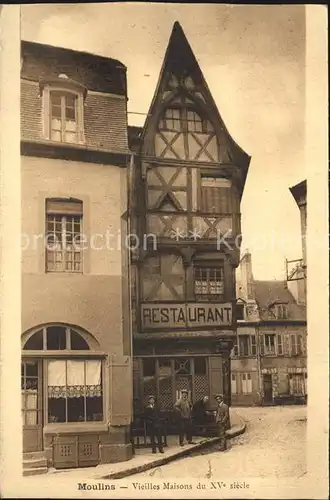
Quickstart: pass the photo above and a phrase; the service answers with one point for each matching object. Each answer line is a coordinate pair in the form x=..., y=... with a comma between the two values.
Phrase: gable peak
x=180, y=59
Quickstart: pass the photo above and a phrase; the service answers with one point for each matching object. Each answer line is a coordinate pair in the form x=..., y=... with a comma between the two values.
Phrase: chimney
x=246, y=277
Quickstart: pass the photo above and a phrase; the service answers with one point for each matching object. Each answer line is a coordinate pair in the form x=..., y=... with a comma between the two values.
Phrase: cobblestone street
x=272, y=446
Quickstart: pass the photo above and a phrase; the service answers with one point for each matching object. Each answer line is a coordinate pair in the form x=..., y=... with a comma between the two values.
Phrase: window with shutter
x=253, y=345
x=279, y=345
x=300, y=345
x=269, y=345
x=294, y=346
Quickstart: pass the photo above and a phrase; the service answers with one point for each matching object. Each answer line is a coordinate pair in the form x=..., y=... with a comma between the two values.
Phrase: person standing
x=153, y=423
x=183, y=408
x=222, y=419
x=199, y=410
x=199, y=417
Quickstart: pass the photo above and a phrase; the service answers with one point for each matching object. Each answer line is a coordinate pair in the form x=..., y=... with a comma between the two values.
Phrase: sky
x=253, y=59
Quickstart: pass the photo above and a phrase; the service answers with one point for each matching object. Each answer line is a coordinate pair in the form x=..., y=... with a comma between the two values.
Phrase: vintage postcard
x=164, y=249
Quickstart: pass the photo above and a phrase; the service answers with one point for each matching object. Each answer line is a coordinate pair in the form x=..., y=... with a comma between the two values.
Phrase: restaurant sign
x=192, y=315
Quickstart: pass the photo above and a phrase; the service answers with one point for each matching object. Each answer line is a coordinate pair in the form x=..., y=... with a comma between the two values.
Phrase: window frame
x=62, y=118
x=266, y=351
x=282, y=311
x=247, y=345
x=66, y=354
x=300, y=344
x=233, y=383
x=64, y=88
x=253, y=345
x=63, y=215
x=240, y=307
x=298, y=379
x=199, y=267
x=222, y=204
x=183, y=110
x=246, y=381
x=102, y=398
x=280, y=344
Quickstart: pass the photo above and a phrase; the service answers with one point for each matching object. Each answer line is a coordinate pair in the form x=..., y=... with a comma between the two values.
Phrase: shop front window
x=165, y=383
x=74, y=390
x=166, y=377
x=297, y=384
x=73, y=381
x=149, y=378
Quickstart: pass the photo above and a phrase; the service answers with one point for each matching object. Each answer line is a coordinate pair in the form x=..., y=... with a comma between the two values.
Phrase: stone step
x=33, y=464
x=32, y=455
x=35, y=471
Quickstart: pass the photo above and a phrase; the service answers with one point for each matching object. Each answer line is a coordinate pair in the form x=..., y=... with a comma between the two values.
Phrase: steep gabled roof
x=180, y=58
x=270, y=293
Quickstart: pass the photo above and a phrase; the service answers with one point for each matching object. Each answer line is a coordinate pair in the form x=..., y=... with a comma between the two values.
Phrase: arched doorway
x=61, y=380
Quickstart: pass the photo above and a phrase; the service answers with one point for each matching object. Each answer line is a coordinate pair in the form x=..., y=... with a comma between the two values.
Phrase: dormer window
x=281, y=311
x=63, y=104
x=63, y=117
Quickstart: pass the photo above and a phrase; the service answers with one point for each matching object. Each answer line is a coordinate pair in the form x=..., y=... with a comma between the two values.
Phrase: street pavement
x=273, y=445
x=271, y=449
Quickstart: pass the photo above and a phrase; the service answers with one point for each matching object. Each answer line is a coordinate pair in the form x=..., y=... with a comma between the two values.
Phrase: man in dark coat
x=154, y=425
x=222, y=419
x=199, y=411
x=183, y=409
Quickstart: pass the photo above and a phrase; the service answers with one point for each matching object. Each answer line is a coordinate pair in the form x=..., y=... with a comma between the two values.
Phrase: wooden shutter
x=136, y=384
x=216, y=196
x=120, y=390
x=215, y=374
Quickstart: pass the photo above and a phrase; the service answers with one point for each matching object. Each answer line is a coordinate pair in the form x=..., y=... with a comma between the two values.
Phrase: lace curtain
x=74, y=378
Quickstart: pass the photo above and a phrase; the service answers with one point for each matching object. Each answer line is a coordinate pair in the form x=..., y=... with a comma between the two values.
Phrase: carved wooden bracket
x=187, y=255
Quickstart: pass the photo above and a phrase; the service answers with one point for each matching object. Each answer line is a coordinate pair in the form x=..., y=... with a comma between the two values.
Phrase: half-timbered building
x=188, y=177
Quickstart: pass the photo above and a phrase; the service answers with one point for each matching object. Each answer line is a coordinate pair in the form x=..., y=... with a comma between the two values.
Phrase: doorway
x=268, y=389
x=183, y=378
x=32, y=415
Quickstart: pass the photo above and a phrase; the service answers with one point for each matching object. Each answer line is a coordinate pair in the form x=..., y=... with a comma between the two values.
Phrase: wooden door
x=268, y=389
x=183, y=377
x=32, y=414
